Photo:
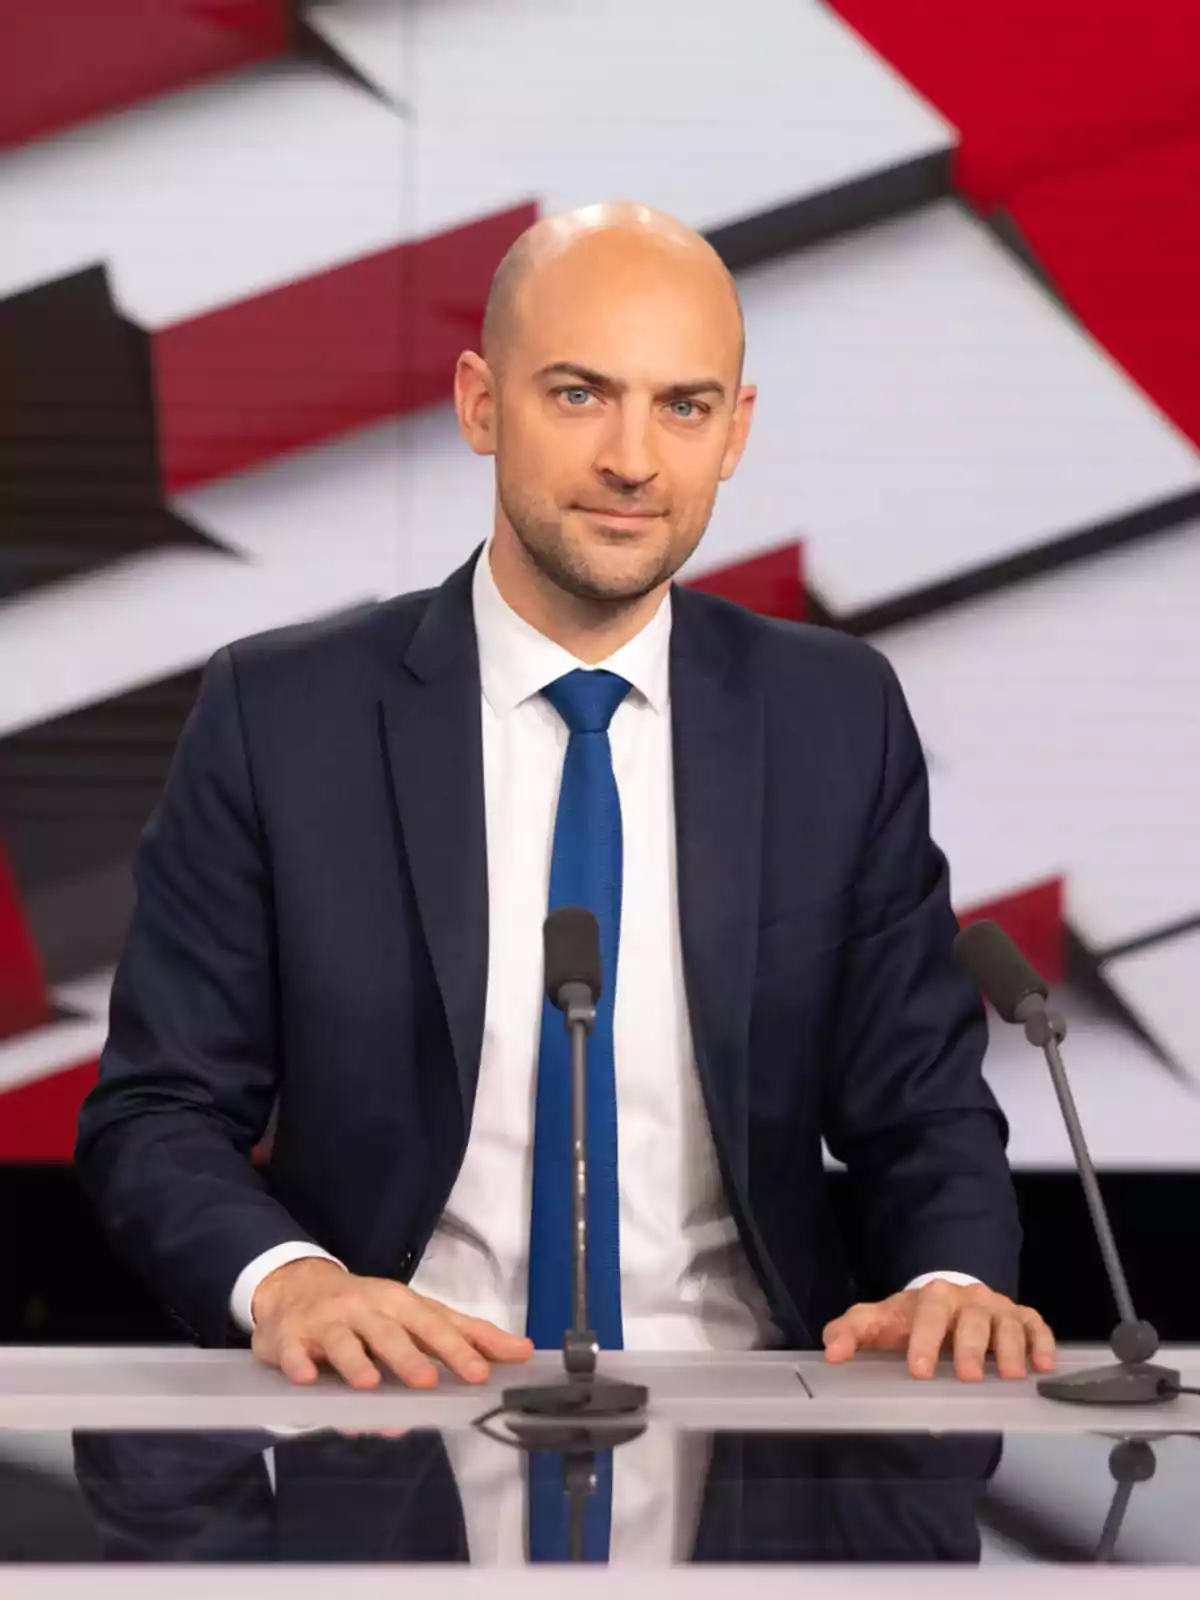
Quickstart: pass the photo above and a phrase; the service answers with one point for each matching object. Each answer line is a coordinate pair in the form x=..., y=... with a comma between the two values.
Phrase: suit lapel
x=717, y=729
x=431, y=718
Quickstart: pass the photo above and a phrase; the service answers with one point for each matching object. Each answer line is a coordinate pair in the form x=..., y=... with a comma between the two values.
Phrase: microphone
x=573, y=979
x=571, y=945
x=985, y=953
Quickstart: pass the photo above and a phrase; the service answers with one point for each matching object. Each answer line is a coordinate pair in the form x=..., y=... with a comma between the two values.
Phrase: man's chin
x=610, y=587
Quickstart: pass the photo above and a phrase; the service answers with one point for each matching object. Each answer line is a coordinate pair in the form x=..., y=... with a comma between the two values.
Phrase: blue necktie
x=585, y=870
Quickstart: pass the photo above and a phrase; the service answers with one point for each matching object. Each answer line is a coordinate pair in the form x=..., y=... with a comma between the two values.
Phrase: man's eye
x=574, y=390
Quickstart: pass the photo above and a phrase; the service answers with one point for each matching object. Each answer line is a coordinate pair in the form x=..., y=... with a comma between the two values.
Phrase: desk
x=1039, y=1503
x=182, y=1387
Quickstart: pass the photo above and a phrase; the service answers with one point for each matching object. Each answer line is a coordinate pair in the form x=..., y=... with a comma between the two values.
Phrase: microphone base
x=1136, y=1383
x=584, y=1398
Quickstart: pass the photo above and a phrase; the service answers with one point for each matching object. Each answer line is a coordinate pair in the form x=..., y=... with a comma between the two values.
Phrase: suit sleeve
x=907, y=1107
x=189, y=1072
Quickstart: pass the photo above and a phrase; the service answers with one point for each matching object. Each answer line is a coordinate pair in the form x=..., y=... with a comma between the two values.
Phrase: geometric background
x=244, y=241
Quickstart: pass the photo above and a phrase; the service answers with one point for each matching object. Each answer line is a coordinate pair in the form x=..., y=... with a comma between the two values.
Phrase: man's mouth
x=621, y=519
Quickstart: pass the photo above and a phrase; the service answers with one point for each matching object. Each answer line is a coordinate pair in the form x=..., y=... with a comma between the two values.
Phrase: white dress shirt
x=685, y=1280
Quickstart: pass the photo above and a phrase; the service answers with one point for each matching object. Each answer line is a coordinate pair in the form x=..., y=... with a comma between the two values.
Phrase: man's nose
x=627, y=459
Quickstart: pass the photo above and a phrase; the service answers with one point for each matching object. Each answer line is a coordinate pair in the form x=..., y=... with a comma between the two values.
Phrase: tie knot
x=586, y=701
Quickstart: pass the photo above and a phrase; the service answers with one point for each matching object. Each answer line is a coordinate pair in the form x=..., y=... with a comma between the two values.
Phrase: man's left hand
x=975, y=1318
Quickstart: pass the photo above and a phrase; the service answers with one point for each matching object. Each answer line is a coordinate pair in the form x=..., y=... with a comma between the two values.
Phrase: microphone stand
x=586, y=1412
x=1134, y=1379
x=1130, y=1461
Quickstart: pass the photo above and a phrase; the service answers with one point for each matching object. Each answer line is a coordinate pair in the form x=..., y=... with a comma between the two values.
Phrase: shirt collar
x=516, y=661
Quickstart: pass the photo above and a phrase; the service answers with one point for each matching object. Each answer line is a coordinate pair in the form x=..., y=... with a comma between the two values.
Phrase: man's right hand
x=314, y=1310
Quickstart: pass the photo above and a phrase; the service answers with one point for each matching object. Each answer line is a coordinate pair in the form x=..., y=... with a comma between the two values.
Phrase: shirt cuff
x=962, y=1279
x=249, y=1278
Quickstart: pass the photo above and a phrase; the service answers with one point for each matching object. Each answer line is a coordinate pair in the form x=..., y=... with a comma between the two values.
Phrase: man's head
x=609, y=382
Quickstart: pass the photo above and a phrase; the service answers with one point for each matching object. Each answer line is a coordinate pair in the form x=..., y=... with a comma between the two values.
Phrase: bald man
x=341, y=898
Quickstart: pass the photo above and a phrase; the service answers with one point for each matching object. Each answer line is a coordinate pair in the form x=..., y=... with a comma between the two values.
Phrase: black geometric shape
x=79, y=476
x=75, y=793
x=1160, y=519
x=310, y=44
x=832, y=213
x=1007, y=231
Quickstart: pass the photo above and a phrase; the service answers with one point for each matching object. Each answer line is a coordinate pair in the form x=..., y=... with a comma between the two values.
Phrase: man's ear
x=739, y=430
x=475, y=402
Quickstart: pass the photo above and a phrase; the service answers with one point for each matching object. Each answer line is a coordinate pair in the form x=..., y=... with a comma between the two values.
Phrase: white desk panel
x=46, y=1387
x=57, y=1389
x=914, y=1582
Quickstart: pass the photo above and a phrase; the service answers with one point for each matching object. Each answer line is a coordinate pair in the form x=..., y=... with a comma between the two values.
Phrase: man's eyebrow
x=599, y=380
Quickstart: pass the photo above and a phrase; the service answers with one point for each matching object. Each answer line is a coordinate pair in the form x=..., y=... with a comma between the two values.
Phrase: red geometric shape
x=314, y=359
x=1032, y=918
x=1042, y=86
x=38, y=1119
x=24, y=1003
x=771, y=584
x=63, y=61
x=1121, y=244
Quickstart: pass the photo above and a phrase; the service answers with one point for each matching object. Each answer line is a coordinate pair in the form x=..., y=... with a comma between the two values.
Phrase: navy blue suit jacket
x=311, y=929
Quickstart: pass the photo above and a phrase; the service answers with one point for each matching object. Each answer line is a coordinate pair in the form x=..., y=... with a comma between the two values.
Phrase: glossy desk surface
x=751, y=1468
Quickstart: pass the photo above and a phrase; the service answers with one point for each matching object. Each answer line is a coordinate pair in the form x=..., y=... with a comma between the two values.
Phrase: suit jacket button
x=406, y=1262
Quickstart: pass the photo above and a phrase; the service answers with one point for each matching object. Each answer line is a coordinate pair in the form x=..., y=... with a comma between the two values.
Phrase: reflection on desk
x=677, y=1497
x=680, y=1498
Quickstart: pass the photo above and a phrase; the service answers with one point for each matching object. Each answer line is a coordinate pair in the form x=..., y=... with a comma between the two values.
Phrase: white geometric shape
x=925, y=408
x=715, y=112
x=232, y=187
x=1136, y=1115
x=990, y=856
x=204, y=197
x=1070, y=700
x=1160, y=984
x=58, y=1046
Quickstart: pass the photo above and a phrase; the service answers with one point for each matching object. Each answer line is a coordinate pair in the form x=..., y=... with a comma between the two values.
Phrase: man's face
x=617, y=414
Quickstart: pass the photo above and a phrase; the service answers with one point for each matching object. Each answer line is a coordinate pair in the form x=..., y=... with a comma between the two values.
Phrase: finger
x=344, y=1351
x=295, y=1362
x=433, y=1331
x=396, y=1348
x=495, y=1343
x=841, y=1336
x=1009, y=1342
x=930, y=1323
x=852, y=1330
x=1042, y=1343
x=972, y=1338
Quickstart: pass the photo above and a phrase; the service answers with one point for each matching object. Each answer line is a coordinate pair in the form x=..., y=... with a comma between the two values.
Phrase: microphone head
x=571, y=942
x=985, y=952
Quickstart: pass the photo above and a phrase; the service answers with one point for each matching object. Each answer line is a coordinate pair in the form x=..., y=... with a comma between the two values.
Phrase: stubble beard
x=549, y=550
